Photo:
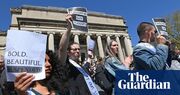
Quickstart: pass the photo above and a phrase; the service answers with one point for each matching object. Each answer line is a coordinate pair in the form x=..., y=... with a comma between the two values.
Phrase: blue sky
x=134, y=11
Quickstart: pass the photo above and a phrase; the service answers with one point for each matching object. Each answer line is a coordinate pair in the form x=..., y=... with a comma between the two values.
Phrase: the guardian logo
x=138, y=81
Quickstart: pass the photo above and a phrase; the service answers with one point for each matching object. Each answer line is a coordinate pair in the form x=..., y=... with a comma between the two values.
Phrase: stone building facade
x=2, y=42
x=51, y=21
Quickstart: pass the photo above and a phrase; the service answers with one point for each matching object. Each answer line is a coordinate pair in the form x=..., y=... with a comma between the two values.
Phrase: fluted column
x=51, y=42
x=128, y=45
x=120, y=53
x=100, y=47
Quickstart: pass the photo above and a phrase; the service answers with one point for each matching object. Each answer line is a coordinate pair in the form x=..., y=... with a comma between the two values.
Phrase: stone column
x=128, y=45
x=100, y=47
x=51, y=42
x=76, y=38
x=108, y=38
x=87, y=38
x=120, y=53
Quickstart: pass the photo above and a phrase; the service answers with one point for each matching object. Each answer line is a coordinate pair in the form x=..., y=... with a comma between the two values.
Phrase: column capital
x=50, y=32
x=98, y=34
x=76, y=34
x=123, y=37
x=108, y=35
x=118, y=35
x=88, y=34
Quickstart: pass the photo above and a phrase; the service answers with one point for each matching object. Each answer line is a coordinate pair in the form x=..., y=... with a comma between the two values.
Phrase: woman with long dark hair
x=25, y=86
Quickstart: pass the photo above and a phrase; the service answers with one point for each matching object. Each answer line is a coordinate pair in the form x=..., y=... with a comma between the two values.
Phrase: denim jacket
x=148, y=57
x=112, y=64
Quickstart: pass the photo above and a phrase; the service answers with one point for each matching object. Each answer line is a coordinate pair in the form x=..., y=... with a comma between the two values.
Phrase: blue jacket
x=147, y=57
x=112, y=64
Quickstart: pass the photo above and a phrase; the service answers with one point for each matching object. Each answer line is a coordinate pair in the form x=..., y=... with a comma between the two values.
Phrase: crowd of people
x=66, y=75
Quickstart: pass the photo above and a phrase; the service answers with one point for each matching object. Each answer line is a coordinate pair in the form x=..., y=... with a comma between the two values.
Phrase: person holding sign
x=79, y=21
x=24, y=84
x=72, y=77
x=147, y=56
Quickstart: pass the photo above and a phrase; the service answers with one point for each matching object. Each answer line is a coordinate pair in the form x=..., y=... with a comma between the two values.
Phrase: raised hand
x=23, y=82
x=69, y=21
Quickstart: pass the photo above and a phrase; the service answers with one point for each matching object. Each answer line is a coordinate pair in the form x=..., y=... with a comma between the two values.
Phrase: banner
x=79, y=16
x=160, y=25
x=149, y=82
x=25, y=52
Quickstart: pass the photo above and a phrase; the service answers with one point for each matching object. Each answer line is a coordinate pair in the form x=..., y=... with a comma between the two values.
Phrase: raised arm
x=63, y=45
x=146, y=58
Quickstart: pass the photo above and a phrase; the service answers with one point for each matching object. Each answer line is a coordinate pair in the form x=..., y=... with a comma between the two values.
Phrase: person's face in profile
x=114, y=47
x=151, y=34
x=48, y=66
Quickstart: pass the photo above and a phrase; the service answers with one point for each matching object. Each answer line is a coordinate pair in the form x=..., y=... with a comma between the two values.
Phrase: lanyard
x=87, y=78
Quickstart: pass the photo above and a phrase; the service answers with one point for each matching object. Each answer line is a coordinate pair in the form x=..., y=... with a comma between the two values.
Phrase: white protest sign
x=25, y=52
x=79, y=16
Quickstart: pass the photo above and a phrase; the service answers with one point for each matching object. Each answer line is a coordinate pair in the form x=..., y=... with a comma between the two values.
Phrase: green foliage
x=173, y=27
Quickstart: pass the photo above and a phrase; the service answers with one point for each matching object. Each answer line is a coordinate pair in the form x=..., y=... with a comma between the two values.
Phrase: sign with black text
x=160, y=25
x=79, y=16
x=25, y=52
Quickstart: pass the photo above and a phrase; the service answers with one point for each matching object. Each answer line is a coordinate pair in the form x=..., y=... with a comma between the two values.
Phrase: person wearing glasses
x=146, y=54
x=50, y=85
x=73, y=78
